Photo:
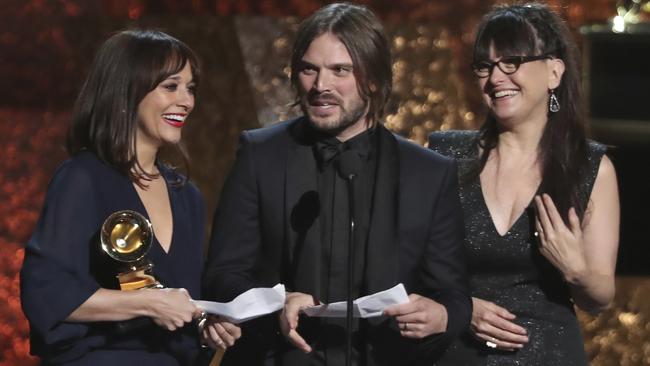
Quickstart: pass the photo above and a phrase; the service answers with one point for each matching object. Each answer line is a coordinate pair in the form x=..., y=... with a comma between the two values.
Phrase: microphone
x=349, y=165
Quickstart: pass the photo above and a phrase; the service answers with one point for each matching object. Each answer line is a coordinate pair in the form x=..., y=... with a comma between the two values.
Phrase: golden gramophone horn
x=126, y=236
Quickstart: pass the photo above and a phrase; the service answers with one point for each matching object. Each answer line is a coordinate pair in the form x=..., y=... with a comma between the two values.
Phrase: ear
x=555, y=72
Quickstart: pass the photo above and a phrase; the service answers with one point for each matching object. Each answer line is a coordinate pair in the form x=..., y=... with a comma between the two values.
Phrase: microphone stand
x=349, y=165
x=348, y=314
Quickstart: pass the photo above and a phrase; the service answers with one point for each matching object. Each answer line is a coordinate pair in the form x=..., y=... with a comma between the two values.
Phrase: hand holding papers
x=363, y=307
x=249, y=305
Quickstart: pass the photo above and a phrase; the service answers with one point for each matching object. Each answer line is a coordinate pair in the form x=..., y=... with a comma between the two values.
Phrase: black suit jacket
x=266, y=224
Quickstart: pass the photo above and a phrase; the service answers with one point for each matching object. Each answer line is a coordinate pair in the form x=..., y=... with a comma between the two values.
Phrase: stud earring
x=553, y=103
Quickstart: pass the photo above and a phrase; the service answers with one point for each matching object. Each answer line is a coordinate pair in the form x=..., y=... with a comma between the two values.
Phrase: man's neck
x=354, y=129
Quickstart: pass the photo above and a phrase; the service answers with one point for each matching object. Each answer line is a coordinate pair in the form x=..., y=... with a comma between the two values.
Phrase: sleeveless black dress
x=510, y=271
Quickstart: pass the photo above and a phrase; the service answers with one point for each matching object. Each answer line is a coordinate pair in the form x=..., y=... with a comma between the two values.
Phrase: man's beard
x=348, y=114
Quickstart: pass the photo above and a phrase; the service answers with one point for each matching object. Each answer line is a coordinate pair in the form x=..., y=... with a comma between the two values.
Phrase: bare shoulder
x=604, y=196
x=606, y=174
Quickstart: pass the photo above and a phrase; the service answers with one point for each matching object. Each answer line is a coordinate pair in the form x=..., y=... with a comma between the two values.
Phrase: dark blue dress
x=59, y=271
x=510, y=271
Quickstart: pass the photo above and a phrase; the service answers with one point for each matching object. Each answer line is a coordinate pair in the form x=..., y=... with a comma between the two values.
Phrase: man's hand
x=420, y=317
x=294, y=303
x=219, y=333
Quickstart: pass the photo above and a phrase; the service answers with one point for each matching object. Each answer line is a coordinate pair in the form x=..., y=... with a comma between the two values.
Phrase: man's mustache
x=323, y=98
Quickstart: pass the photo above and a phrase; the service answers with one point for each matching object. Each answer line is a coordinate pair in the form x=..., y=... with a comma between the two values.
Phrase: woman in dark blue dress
x=136, y=99
x=540, y=201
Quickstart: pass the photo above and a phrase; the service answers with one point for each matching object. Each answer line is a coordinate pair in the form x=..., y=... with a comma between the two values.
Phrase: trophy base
x=137, y=279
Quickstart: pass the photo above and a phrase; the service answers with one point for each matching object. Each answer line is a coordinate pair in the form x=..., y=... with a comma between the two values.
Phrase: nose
x=496, y=75
x=186, y=100
x=322, y=82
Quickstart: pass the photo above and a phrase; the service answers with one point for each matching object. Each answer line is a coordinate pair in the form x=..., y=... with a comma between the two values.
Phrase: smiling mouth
x=176, y=120
x=503, y=94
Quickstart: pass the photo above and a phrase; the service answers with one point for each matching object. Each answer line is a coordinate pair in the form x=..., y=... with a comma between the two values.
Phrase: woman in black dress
x=540, y=200
x=136, y=99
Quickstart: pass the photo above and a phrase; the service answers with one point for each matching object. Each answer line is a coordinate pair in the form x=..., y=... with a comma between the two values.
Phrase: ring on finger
x=491, y=344
x=201, y=323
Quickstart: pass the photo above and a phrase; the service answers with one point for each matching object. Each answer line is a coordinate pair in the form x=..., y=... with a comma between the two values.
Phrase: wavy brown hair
x=126, y=68
x=534, y=29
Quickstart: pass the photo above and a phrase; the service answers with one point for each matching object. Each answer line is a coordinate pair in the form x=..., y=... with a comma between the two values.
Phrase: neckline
x=146, y=213
x=491, y=218
x=487, y=208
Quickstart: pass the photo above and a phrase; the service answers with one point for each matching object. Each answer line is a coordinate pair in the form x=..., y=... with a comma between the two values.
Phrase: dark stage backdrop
x=46, y=47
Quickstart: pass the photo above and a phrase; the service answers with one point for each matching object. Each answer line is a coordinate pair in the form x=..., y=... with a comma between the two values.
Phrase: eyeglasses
x=508, y=65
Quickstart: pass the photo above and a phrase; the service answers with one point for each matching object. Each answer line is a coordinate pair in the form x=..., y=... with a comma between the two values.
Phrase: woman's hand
x=290, y=315
x=219, y=333
x=562, y=245
x=493, y=326
x=585, y=252
x=171, y=308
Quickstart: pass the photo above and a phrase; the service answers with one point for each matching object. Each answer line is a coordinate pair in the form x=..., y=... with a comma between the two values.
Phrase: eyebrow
x=342, y=64
x=177, y=77
x=304, y=63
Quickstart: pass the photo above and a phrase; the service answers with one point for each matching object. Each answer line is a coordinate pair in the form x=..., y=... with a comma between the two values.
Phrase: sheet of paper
x=249, y=305
x=363, y=307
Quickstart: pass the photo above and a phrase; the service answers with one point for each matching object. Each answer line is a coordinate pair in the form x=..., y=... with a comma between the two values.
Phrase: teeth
x=175, y=117
x=503, y=93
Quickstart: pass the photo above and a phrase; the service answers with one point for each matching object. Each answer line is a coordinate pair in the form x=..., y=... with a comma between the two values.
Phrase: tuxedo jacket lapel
x=302, y=210
x=382, y=264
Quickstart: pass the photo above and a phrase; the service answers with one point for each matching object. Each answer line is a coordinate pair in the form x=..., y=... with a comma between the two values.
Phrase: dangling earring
x=553, y=103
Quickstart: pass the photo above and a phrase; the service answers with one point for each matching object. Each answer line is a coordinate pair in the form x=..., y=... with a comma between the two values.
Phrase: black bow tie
x=327, y=151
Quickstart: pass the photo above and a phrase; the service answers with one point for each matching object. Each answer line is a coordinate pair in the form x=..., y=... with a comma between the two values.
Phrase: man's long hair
x=363, y=35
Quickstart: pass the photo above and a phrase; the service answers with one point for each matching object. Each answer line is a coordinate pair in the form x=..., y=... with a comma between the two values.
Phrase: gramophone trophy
x=126, y=237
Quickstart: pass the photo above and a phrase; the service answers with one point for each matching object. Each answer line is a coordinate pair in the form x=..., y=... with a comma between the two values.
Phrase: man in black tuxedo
x=283, y=214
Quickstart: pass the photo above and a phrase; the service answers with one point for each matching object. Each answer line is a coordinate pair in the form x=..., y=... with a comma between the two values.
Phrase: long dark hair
x=126, y=68
x=534, y=29
x=363, y=35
